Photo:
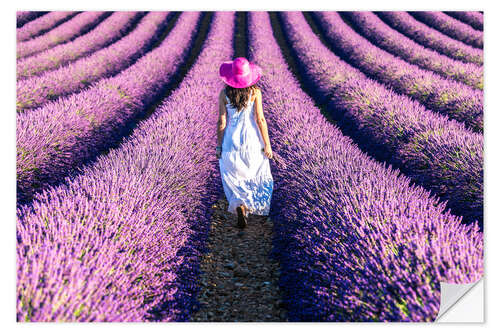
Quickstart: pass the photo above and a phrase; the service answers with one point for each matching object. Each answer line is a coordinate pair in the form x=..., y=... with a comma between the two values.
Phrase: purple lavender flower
x=451, y=27
x=359, y=243
x=431, y=38
x=380, y=34
x=433, y=150
x=61, y=34
x=474, y=19
x=109, y=30
x=41, y=25
x=23, y=17
x=122, y=241
x=36, y=91
x=454, y=99
x=53, y=141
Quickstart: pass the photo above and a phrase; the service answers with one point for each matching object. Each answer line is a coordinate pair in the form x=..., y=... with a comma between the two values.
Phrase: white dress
x=245, y=172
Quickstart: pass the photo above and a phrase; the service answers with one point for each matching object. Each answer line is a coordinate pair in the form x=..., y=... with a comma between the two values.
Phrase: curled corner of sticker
x=461, y=302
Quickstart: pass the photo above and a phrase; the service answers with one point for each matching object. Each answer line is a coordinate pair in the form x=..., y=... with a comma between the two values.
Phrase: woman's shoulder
x=256, y=92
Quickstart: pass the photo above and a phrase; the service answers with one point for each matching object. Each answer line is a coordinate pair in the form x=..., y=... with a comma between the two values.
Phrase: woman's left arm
x=221, y=124
x=262, y=124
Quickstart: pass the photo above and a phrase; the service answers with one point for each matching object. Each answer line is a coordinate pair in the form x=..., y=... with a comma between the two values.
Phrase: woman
x=243, y=146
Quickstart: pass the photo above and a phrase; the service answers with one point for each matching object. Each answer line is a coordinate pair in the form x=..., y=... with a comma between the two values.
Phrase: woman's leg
x=245, y=210
x=242, y=219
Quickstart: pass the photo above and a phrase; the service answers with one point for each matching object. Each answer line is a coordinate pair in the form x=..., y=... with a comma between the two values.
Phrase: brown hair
x=238, y=97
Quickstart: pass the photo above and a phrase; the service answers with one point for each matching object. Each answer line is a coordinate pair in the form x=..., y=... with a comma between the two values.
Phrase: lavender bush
x=36, y=91
x=41, y=25
x=454, y=99
x=428, y=37
x=433, y=150
x=56, y=139
x=61, y=34
x=376, y=31
x=359, y=243
x=108, y=31
x=23, y=17
x=137, y=219
x=451, y=27
x=474, y=19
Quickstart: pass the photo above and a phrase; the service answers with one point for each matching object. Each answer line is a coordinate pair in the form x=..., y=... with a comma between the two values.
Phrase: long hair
x=238, y=97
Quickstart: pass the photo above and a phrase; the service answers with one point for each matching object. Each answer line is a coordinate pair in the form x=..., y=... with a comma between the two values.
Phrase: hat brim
x=239, y=81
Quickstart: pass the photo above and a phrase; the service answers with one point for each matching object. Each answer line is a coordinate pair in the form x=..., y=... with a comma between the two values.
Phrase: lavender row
x=108, y=31
x=138, y=217
x=61, y=34
x=451, y=98
x=41, y=24
x=57, y=138
x=23, y=17
x=377, y=32
x=359, y=243
x=428, y=37
x=451, y=27
x=439, y=153
x=474, y=19
x=38, y=90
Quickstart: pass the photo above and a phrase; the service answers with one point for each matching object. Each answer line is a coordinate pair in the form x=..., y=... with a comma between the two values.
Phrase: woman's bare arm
x=262, y=124
x=221, y=123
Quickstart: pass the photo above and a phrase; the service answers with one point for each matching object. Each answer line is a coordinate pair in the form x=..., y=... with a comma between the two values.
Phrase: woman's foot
x=242, y=217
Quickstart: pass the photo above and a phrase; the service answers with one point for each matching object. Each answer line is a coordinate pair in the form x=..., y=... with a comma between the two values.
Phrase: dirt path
x=239, y=282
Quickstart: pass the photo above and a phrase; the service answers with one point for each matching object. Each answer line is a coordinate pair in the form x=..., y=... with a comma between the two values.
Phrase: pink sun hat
x=239, y=73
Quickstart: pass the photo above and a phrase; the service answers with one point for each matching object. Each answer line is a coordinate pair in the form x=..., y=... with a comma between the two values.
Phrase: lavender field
x=376, y=124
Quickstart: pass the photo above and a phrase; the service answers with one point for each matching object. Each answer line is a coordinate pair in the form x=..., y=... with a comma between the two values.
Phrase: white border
x=8, y=151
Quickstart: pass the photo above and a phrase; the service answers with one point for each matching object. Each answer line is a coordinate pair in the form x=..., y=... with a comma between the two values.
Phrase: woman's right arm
x=262, y=124
x=221, y=123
